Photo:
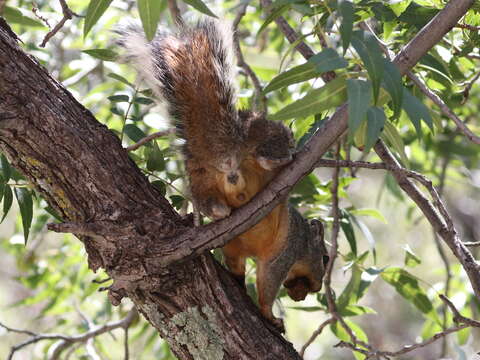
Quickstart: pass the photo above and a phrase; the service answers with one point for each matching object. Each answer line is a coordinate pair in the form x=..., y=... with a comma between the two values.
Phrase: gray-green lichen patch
x=202, y=336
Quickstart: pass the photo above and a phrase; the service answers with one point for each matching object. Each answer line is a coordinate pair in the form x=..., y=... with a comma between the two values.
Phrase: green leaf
x=177, y=201
x=276, y=12
x=121, y=79
x=7, y=201
x=24, y=198
x=149, y=11
x=119, y=98
x=155, y=160
x=347, y=228
x=411, y=260
x=134, y=132
x=359, y=95
x=200, y=6
x=355, y=310
x=375, y=122
x=349, y=294
x=330, y=95
x=399, y=7
x=341, y=334
x=2, y=188
x=95, y=10
x=102, y=54
x=369, y=51
x=319, y=120
x=346, y=10
x=15, y=16
x=143, y=101
x=395, y=139
x=160, y=185
x=407, y=286
x=324, y=61
x=392, y=82
x=5, y=169
x=369, y=212
x=416, y=111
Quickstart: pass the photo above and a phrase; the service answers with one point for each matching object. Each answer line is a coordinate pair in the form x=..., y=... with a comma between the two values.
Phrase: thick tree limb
x=81, y=169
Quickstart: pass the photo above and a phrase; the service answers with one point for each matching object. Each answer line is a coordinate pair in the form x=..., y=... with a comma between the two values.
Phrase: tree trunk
x=81, y=169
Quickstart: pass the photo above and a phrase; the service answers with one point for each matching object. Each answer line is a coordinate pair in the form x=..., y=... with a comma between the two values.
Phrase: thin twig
x=315, y=334
x=466, y=91
x=70, y=340
x=260, y=99
x=39, y=16
x=468, y=27
x=67, y=15
x=149, y=138
x=472, y=243
x=444, y=108
x=457, y=317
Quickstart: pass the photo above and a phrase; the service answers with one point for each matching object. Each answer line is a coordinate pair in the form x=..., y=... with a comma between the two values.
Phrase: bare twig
x=149, y=138
x=466, y=91
x=468, y=27
x=70, y=340
x=67, y=15
x=39, y=16
x=444, y=108
x=260, y=99
x=457, y=317
x=125, y=345
x=377, y=354
x=175, y=12
x=472, y=244
x=315, y=334
x=2, y=6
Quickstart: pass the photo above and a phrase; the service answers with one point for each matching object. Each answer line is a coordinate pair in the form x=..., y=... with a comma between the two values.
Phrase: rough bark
x=80, y=167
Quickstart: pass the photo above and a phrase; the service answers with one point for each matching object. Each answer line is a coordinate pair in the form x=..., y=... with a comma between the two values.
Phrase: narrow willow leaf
x=324, y=61
x=407, y=286
x=369, y=51
x=375, y=122
x=355, y=310
x=369, y=212
x=121, y=79
x=392, y=136
x=398, y=7
x=102, y=54
x=95, y=10
x=155, y=160
x=346, y=10
x=392, y=82
x=15, y=16
x=416, y=111
x=134, y=132
x=200, y=6
x=5, y=169
x=359, y=95
x=411, y=259
x=119, y=98
x=7, y=201
x=149, y=11
x=24, y=198
x=277, y=11
x=349, y=294
x=2, y=189
x=347, y=228
x=329, y=96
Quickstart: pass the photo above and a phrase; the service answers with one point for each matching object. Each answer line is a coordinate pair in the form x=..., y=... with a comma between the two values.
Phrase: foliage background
x=45, y=286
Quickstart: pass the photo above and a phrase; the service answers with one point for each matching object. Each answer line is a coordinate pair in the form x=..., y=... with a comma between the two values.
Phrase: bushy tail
x=193, y=71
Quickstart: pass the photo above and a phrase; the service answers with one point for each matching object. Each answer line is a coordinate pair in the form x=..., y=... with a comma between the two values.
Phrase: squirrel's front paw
x=216, y=210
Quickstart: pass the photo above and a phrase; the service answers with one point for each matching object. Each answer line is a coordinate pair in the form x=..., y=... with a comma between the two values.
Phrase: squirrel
x=230, y=155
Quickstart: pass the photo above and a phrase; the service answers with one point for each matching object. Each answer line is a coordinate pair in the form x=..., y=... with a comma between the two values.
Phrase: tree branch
x=67, y=15
x=149, y=138
x=68, y=340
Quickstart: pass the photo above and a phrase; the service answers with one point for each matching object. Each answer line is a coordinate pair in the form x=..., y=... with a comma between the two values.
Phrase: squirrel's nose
x=232, y=178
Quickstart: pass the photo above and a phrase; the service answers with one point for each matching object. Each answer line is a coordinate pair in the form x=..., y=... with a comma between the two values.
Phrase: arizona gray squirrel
x=230, y=155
